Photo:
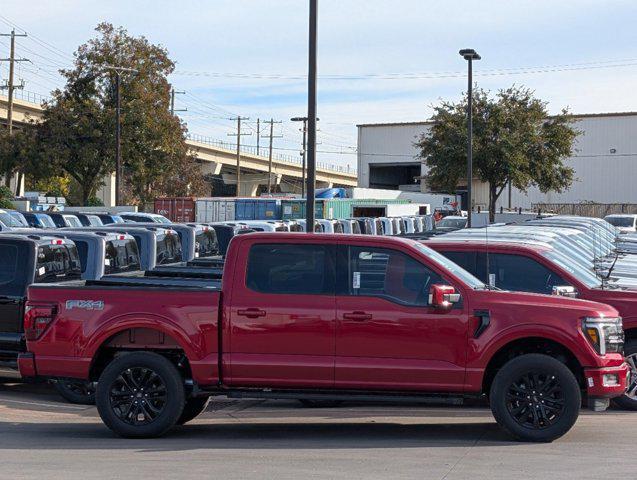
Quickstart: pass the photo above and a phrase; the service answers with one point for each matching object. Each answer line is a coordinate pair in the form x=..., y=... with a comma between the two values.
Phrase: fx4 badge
x=85, y=304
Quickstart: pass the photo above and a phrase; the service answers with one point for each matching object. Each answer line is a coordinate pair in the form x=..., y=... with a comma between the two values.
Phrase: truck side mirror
x=565, y=291
x=443, y=297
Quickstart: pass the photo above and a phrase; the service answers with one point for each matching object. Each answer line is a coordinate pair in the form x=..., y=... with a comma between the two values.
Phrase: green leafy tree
x=5, y=197
x=514, y=140
x=79, y=123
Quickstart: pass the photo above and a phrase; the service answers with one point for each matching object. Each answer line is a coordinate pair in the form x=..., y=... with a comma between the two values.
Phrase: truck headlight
x=606, y=335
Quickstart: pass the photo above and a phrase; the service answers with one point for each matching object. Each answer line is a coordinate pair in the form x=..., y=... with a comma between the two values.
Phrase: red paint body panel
x=306, y=341
x=624, y=301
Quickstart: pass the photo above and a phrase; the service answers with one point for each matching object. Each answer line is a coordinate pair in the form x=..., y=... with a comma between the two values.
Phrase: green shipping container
x=293, y=209
x=336, y=208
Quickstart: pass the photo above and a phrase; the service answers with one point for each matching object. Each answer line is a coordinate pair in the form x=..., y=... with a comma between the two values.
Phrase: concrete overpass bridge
x=218, y=159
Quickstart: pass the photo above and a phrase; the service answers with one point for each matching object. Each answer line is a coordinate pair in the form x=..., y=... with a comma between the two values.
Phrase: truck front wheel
x=140, y=395
x=535, y=398
x=628, y=400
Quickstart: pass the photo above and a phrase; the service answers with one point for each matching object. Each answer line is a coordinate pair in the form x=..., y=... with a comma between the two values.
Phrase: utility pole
x=10, y=86
x=271, y=136
x=311, y=113
x=118, y=128
x=173, y=92
x=239, y=134
x=258, y=135
x=303, y=150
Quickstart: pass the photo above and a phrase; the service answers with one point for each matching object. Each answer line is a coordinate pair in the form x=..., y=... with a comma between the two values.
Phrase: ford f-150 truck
x=327, y=317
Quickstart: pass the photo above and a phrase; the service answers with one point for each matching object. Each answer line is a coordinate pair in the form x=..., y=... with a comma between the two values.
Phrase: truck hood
x=625, y=301
x=534, y=303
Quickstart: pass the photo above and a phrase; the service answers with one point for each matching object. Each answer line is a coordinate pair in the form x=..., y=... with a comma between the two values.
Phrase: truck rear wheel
x=192, y=409
x=80, y=392
x=140, y=395
x=629, y=399
x=535, y=398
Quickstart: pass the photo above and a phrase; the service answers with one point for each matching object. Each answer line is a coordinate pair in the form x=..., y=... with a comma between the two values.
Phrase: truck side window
x=390, y=274
x=522, y=274
x=291, y=269
x=466, y=260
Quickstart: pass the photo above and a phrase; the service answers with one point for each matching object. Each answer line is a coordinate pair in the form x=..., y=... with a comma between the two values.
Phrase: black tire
x=628, y=400
x=552, y=393
x=140, y=395
x=76, y=391
x=192, y=409
x=307, y=403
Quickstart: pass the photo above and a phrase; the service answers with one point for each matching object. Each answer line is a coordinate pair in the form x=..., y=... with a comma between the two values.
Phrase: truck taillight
x=36, y=319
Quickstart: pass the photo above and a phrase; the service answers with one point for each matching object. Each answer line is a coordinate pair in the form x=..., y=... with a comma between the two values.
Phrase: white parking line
x=40, y=404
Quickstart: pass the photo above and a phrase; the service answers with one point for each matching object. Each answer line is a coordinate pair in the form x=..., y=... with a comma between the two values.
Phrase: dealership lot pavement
x=41, y=436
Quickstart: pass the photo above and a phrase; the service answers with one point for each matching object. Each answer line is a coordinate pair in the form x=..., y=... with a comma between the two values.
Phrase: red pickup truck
x=540, y=269
x=328, y=317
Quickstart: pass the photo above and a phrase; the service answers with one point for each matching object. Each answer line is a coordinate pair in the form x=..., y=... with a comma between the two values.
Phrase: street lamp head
x=298, y=119
x=469, y=54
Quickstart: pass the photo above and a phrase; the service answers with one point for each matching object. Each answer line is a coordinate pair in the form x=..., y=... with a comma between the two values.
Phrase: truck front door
x=282, y=316
x=388, y=337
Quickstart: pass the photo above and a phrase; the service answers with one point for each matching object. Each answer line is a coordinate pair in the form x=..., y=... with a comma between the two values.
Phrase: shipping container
x=176, y=209
x=257, y=209
x=338, y=208
x=292, y=209
x=209, y=210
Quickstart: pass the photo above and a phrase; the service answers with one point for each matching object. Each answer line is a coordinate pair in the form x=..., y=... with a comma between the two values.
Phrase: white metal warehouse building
x=605, y=162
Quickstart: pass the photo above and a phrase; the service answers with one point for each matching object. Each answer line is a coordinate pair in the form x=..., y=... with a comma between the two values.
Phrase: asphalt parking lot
x=42, y=436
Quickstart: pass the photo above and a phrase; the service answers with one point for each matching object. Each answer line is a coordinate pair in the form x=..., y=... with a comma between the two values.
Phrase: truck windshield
x=168, y=249
x=121, y=256
x=448, y=265
x=18, y=217
x=621, y=221
x=45, y=220
x=452, y=222
x=57, y=263
x=584, y=275
x=73, y=221
x=9, y=220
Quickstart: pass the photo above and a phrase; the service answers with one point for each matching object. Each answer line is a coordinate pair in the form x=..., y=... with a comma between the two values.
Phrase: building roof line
x=431, y=122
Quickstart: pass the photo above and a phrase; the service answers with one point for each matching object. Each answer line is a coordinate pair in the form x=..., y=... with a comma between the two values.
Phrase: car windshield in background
x=45, y=220
x=447, y=264
x=73, y=221
x=621, y=221
x=10, y=221
x=121, y=256
x=584, y=275
x=18, y=217
x=118, y=219
x=57, y=263
x=452, y=223
x=168, y=249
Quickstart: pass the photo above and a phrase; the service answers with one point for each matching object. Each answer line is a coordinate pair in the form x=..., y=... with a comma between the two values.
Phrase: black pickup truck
x=25, y=260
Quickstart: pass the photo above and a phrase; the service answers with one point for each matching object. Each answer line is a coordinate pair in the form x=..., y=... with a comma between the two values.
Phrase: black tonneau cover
x=132, y=281
x=185, y=271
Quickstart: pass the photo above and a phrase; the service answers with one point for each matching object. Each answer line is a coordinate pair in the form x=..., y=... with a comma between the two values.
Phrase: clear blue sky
x=266, y=41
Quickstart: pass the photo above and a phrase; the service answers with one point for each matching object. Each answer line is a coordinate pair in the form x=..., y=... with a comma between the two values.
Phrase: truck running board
x=407, y=397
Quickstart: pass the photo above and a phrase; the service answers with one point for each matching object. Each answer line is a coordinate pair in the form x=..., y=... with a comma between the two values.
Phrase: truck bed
x=156, y=281
x=186, y=271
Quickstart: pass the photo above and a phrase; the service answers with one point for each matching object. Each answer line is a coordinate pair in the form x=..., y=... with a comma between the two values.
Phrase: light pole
x=469, y=55
x=311, y=121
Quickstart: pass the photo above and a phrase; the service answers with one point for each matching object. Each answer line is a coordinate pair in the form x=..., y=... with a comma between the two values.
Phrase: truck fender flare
x=150, y=321
x=522, y=331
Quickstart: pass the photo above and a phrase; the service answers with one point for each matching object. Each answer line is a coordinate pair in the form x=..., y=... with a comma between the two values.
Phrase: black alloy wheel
x=535, y=400
x=138, y=396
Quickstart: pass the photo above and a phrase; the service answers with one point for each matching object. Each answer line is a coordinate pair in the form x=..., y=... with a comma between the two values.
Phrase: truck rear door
x=282, y=316
x=387, y=335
